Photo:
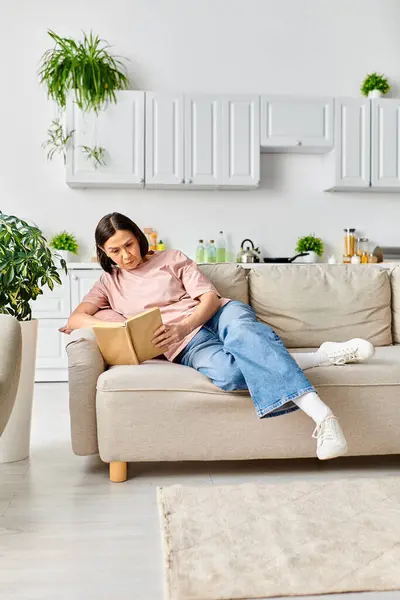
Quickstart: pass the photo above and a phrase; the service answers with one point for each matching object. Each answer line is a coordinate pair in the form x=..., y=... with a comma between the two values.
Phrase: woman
x=219, y=337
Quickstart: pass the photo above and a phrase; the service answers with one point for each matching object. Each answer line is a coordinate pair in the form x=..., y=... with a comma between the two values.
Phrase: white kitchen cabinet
x=51, y=357
x=203, y=141
x=296, y=124
x=53, y=304
x=348, y=167
x=241, y=141
x=119, y=128
x=82, y=281
x=164, y=140
x=52, y=310
x=385, y=146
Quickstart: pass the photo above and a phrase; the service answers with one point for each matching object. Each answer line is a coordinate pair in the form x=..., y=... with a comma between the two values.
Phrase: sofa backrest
x=230, y=280
x=309, y=304
x=395, y=284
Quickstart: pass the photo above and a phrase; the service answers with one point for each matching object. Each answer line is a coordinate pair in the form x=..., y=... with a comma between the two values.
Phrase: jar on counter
x=349, y=242
x=363, y=249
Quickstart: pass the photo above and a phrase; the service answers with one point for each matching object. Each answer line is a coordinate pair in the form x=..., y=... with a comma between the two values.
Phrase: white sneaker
x=341, y=353
x=331, y=442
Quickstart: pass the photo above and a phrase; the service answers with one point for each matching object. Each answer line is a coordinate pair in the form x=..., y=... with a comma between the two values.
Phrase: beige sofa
x=160, y=411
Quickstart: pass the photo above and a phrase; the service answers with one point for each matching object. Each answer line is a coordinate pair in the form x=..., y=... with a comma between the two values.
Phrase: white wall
x=251, y=46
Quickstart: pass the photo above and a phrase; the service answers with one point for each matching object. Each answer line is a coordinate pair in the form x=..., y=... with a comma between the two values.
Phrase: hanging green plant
x=86, y=68
x=374, y=81
x=95, y=154
x=58, y=141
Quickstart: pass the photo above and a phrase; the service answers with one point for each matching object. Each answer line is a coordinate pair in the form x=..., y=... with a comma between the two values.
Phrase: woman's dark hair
x=107, y=227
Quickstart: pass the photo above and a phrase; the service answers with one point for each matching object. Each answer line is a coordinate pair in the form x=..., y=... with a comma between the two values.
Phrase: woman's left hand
x=166, y=335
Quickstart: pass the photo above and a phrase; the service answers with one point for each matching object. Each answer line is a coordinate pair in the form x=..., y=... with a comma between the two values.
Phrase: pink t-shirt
x=169, y=280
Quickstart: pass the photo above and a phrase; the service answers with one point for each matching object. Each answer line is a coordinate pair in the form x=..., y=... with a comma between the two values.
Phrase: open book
x=129, y=343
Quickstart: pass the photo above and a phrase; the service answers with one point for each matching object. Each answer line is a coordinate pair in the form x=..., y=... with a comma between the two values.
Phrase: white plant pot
x=15, y=441
x=65, y=254
x=374, y=94
x=311, y=258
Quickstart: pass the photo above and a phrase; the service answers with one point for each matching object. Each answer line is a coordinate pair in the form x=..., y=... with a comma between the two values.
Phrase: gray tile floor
x=66, y=533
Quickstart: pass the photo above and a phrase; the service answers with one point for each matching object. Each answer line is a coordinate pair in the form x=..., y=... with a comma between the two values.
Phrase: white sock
x=308, y=360
x=313, y=406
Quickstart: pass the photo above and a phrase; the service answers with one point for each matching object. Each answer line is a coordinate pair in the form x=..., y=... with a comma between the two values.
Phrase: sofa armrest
x=85, y=365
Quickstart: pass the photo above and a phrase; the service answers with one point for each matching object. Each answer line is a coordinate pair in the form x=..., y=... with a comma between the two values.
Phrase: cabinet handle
x=298, y=143
x=74, y=277
x=142, y=181
x=189, y=181
x=181, y=181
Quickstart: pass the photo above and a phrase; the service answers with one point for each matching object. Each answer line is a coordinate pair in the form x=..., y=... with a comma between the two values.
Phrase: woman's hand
x=166, y=335
x=65, y=329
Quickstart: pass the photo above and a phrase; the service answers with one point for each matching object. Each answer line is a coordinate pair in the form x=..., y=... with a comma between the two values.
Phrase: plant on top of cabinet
x=96, y=155
x=374, y=85
x=26, y=266
x=88, y=71
x=86, y=68
x=311, y=244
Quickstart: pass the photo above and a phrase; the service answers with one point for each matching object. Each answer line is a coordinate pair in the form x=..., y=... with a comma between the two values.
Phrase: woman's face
x=123, y=248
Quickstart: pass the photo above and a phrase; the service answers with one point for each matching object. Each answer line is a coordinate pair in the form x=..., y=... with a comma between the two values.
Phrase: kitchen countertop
x=383, y=265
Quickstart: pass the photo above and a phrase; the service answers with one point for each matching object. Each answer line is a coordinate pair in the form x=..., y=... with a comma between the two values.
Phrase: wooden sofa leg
x=118, y=471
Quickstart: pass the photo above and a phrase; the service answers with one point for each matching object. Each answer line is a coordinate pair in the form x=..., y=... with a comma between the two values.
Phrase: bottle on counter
x=200, y=258
x=221, y=248
x=211, y=252
x=161, y=246
x=349, y=244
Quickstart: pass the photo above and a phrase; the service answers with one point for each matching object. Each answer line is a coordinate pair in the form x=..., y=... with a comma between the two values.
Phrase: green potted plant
x=311, y=244
x=87, y=70
x=65, y=244
x=374, y=85
x=26, y=267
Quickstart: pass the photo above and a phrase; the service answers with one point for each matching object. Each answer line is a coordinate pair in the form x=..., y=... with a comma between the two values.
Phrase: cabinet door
x=296, y=123
x=241, y=141
x=81, y=282
x=352, y=143
x=385, y=159
x=119, y=128
x=51, y=352
x=54, y=304
x=203, y=141
x=164, y=140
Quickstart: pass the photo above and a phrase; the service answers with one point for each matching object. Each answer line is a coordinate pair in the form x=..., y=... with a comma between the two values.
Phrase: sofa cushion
x=309, y=304
x=230, y=280
x=395, y=285
x=162, y=411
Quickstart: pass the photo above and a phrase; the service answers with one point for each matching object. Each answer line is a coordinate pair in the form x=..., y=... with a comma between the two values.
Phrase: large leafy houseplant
x=26, y=266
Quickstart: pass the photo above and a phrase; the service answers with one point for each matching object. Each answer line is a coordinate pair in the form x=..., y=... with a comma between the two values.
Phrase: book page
x=141, y=328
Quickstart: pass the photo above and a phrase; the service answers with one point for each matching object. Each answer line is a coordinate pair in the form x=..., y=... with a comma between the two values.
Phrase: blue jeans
x=237, y=352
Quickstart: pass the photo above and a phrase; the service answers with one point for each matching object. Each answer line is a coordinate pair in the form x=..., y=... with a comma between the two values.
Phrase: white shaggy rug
x=296, y=538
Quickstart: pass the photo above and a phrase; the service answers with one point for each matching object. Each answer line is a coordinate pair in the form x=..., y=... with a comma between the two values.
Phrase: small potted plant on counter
x=311, y=244
x=65, y=244
x=374, y=85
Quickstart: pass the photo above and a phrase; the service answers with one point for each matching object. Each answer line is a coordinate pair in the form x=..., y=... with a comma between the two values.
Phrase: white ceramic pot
x=311, y=258
x=65, y=254
x=15, y=441
x=374, y=94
